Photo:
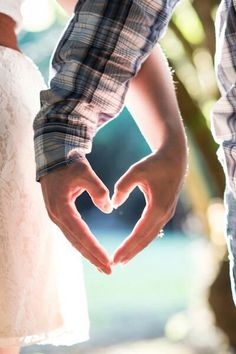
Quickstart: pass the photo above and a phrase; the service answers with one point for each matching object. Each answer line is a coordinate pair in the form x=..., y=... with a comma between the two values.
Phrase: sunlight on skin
x=161, y=125
x=11, y=350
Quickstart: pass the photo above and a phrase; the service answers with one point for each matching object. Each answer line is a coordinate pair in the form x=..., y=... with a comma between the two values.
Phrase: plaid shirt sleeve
x=223, y=117
x=101, y=49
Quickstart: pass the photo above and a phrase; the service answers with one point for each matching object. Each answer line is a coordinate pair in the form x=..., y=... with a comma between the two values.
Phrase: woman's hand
x=160, y=177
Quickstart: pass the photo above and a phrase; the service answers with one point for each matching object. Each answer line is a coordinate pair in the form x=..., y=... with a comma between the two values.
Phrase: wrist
x=174, y=147
x=173, y=139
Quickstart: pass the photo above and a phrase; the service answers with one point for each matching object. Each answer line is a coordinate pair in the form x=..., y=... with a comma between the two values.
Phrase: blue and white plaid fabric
x=102, y=48
x=224, y=120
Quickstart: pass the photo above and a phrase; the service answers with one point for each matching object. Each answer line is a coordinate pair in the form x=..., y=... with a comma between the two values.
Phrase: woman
x=42, y=294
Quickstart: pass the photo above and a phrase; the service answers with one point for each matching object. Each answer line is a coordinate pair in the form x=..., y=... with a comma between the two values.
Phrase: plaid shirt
x=102, y=48
x=224, y=111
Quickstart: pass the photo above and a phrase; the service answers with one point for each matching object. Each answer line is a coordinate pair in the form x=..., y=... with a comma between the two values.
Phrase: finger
x=90, y=257
x=98, y=192
x=145, y=224
x=79, y=232
x=142, y=244
x=124, y=186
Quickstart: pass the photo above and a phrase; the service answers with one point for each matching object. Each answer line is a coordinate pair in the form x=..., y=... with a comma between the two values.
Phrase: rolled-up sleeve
x=101, y=49
x=223, y=118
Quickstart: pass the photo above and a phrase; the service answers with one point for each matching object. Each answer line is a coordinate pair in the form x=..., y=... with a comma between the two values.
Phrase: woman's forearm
x=68, y=5
x=152, y=102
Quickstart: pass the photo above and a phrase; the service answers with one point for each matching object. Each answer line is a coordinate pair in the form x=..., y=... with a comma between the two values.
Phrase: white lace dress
x=42, y=292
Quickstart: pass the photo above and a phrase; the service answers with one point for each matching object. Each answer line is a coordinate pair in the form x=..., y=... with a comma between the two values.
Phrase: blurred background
x=175, y=296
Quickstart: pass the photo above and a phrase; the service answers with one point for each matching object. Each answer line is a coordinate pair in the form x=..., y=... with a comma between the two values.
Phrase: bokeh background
x=175, y=296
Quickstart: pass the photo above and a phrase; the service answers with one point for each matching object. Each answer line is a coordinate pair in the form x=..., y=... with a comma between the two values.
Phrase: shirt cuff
x=55, y=150
x=61, y=138
x=58, y=145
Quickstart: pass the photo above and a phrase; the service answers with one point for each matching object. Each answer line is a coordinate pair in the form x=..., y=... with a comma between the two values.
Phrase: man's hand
x=60, y=190
x=160, y=177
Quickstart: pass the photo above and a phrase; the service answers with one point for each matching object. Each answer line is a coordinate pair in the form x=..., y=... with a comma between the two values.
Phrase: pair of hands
x=159, y=176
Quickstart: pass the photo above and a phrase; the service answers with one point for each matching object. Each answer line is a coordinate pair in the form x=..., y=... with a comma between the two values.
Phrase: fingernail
x=109, y=271
x=108, y=207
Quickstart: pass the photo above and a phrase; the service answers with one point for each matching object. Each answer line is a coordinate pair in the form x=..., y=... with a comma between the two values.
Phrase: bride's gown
x=42, y=293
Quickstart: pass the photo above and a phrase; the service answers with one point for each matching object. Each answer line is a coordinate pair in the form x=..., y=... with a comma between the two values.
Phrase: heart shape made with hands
x=79, y=177
x=133, y=243
x=148, y=227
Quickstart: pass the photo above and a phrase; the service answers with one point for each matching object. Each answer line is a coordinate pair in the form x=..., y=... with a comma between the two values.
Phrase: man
x=224, y=119
x=101, y=50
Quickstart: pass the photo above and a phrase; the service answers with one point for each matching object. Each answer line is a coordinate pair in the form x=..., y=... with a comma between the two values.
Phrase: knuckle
x=60, y=210
x=139, y=169
x=135, y=170
x=52, y=215
x=167, y=214
x=62, y=216
x=101, y=192
x=79, y=168
x=83, y=167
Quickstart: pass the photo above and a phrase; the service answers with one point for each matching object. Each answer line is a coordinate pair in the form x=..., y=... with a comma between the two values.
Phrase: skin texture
x=152, y=102
x=161, y=125
x=12, y=350
x=159, y=176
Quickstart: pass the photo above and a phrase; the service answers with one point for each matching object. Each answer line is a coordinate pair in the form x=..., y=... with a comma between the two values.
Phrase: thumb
x=98, y=192
x=124, y=186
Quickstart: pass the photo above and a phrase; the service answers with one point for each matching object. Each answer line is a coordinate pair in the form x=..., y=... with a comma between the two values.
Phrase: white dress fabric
x=42, y=292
